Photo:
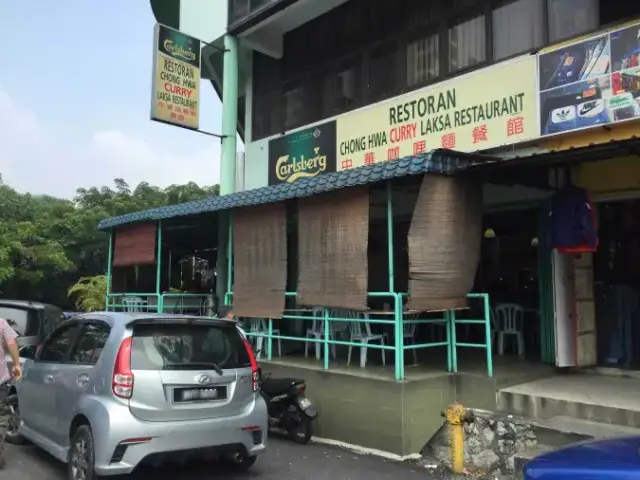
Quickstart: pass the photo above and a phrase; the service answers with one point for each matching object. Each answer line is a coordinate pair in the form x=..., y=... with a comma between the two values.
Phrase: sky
x=75, y=88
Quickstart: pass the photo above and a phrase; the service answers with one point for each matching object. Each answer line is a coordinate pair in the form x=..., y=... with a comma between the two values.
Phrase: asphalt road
x=283, y=461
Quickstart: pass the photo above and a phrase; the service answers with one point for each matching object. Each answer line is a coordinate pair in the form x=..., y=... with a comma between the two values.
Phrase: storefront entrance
x=616, y=274
x=508, y=272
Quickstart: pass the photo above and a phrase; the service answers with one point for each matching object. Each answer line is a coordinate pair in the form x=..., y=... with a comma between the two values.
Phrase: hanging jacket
x=572, y=221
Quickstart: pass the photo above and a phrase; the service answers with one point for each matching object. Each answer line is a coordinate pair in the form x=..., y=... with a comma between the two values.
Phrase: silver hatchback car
x=108, y=391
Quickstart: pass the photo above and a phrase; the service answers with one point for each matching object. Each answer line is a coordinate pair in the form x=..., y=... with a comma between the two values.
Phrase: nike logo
x=586, y=107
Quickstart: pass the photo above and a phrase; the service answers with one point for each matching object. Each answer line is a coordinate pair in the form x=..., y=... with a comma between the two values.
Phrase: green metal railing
x=397, y=343
x=486, y=321
x=114, y=302
x=160, y=303
x=327, y=319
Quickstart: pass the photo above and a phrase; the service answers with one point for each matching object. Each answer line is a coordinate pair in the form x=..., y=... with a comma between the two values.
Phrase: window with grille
x=423, y=60
x=568, y=18
x=261, y=116
x=467, y=44
x=258, y=4
x=238, y=10
x=517, y=27
x=294, y=107
x=383, y=72
x=347, y=87
x=302, y=104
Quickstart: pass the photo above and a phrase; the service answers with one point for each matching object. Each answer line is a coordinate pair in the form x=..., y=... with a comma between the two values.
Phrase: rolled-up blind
x=444, y=243
x=333, y=235
x=135, y=245
x=260, y=260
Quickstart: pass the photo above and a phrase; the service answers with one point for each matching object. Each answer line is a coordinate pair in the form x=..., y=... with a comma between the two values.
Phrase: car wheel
x=241, y=466
x=81, y=455
x=13, y=421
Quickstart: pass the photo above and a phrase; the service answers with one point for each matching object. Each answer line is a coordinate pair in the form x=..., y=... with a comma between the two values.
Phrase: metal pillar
x=228, y=162
x=397, y=304
x=222, y=261
x=160, y=307
x=229, y=115
x=392, y=273
x=109, y=256
x=230, y=253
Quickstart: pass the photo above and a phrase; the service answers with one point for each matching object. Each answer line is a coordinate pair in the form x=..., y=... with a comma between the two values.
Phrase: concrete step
x=596, y=398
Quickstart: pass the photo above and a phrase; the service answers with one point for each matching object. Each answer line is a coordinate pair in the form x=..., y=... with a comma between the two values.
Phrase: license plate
x=304, y=403
x=200, y=394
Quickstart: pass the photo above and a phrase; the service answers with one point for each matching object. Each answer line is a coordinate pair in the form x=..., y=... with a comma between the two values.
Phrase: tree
x=30, y=241
x=47, y=243
x=90, y=293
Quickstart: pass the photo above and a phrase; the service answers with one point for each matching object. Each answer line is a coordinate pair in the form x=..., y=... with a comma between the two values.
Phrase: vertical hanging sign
x=176, y=78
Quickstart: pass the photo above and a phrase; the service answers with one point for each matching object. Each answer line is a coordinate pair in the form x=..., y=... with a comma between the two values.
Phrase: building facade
x=546, y=89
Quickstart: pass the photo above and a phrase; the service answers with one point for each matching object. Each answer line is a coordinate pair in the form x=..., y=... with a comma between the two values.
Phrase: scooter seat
x=277, y=386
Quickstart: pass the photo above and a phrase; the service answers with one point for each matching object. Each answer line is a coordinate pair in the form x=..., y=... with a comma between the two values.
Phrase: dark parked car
x=32, y=321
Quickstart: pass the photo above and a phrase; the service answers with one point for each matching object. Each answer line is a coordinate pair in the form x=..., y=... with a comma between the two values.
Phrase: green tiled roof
x=436, y=161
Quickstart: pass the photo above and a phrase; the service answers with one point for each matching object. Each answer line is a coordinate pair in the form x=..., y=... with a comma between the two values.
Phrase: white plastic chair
x=409, y=335
x=509, y=319
x=316, y=332
x=364, y=336
x=261, y=327
x=133, y=304
x=494, y=326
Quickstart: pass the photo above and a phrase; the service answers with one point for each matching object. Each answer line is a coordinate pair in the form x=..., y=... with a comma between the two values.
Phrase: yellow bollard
x=456, y=416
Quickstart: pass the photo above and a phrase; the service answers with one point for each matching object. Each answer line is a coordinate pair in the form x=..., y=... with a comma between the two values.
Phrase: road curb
x=366, y=451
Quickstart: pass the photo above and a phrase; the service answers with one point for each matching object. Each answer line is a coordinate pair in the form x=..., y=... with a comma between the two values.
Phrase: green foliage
x=47, y=244
x=89, y=293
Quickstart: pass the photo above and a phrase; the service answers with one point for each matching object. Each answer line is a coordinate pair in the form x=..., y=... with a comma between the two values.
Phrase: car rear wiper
x=196, y=365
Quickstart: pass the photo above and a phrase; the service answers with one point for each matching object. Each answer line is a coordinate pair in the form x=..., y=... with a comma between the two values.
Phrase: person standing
x=7, y=345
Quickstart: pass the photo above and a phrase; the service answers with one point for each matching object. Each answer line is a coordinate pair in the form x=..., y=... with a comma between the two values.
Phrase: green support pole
x=487, y=333
x=222, y=261
x=109, y=255
x=327, y=333
x=229, y=115
x=447, y=318
x=227, y=163
x=397, y=309
x=270, y=340
x=160, y=307
x=230, y=253
x=453, y=341
x=392, y=273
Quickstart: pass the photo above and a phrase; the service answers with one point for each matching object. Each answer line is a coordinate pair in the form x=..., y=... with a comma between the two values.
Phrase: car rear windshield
x=180, y=346
x=23, y=320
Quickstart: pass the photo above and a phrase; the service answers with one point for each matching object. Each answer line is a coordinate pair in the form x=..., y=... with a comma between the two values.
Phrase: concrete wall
x=396, y=417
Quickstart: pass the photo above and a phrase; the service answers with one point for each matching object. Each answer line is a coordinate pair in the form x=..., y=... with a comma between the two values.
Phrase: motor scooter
x=288, y=407
x=9, y=420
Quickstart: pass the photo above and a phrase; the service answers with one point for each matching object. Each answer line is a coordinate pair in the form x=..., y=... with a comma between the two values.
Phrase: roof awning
x=532, y=170
x=445, y=162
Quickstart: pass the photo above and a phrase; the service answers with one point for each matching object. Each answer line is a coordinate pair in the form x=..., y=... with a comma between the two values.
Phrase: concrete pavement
x=283, y=461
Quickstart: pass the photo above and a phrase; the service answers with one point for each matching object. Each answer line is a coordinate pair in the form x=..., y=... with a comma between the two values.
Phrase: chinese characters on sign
x=486, y=109
x=176, y=78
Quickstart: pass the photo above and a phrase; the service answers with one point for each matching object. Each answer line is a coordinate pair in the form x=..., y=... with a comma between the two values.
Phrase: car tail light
x=254, y=365
x=122, y=384
x=302, y=388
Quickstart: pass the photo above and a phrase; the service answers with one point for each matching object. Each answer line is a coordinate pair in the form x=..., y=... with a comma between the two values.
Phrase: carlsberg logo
x=290, y=168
